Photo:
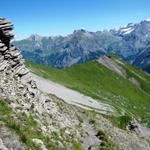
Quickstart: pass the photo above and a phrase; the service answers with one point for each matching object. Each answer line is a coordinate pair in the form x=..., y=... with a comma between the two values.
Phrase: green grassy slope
x=134, y=72
x=95, y=80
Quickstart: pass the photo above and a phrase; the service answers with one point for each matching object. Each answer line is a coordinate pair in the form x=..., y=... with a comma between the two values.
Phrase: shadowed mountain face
x=143, y=60
x=81, y=46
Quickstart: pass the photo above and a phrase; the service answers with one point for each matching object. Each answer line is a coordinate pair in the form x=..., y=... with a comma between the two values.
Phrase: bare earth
x=70, y=96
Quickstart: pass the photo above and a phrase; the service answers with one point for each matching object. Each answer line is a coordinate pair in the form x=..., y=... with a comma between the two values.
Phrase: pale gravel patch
x=70, y=96
x=112, y=65
x=2, y=146
x=144, y=131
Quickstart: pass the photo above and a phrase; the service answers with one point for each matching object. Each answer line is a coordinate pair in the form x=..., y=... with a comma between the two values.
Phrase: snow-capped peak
x=148, y=20
x=127, y=30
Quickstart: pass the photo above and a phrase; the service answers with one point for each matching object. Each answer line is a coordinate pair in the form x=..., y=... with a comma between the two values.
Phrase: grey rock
x=3, y=49
x=3, y=65
x=9, y=141
x=1, y=45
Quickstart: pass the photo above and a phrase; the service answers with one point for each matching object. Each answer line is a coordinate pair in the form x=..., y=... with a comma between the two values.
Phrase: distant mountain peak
x=35, y=37
x=80, y=31
x=127, y=29
x=148, y=20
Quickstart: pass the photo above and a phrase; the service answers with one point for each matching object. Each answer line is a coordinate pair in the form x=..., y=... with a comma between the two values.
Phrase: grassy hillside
x=95, y=80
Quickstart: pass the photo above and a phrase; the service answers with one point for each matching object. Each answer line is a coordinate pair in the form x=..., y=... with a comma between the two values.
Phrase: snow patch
x=148, y=20
x=127, y=30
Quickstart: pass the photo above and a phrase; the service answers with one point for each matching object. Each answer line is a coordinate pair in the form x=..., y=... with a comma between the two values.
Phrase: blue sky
x=61, y=17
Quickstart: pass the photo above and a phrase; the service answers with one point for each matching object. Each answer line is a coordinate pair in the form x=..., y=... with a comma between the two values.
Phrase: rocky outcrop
x=9, y=140
x=6, y=26
x=12, y=66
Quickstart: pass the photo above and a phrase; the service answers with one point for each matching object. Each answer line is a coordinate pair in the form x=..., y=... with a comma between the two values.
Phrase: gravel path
x=70, y=96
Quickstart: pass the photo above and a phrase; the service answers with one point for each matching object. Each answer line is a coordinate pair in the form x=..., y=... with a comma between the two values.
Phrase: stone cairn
x=5, y=28
x=9, y=54
x=14, y=76
x=16, y=81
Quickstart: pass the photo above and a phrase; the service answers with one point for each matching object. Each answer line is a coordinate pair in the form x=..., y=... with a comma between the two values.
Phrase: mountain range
x=130, y=42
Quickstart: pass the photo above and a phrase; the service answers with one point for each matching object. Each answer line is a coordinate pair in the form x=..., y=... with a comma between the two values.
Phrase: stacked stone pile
x=16, y=83
x=10, y=58
x=5, y=31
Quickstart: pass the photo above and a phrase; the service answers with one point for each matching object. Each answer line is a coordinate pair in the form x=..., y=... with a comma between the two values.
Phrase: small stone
x=3, y=49
x=2, y=45
x=40, y=143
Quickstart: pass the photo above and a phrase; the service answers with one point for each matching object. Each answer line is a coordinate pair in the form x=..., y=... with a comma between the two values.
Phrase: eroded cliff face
x=30, y=119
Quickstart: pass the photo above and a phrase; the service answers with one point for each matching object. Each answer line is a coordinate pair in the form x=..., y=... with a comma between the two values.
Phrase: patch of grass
x=120, y=121
x=97, y=81
x=25, y=127
x=106, y=143
x=133, y=72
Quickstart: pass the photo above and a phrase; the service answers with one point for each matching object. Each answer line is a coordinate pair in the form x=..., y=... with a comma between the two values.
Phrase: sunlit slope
x=98, y=81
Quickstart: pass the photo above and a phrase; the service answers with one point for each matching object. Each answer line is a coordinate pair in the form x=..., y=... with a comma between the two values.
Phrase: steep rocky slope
x=31, y=119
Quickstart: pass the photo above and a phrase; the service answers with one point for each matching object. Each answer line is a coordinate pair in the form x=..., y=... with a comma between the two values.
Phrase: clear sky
x=61, y=17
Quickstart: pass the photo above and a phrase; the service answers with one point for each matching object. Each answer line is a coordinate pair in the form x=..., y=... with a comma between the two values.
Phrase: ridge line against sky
x=62, y=17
